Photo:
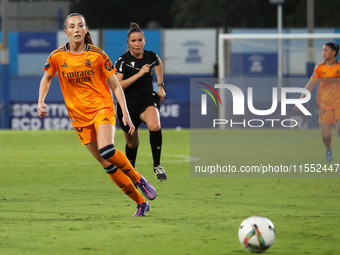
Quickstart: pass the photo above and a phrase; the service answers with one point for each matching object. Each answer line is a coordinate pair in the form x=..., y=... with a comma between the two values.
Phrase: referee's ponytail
x=134, y=27
x=333, y=46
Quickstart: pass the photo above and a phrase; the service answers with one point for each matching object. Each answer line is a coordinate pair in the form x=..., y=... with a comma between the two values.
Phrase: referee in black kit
x=135, y=70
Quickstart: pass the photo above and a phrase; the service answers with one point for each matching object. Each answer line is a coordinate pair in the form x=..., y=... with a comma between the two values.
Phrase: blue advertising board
x=34, y=49
x=25, y=116
x=37, y=42
x=253, y=63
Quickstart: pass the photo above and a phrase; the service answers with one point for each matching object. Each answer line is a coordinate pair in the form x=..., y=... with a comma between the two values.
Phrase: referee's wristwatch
x=161, y=84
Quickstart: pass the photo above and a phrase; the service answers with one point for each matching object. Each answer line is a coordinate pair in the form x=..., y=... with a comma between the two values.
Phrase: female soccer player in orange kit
x=135, y=71
x=328, y=98
x=83, y=70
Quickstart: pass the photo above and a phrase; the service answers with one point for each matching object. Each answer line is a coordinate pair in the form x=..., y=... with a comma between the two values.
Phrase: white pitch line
x=185, y=158
x=182, y=158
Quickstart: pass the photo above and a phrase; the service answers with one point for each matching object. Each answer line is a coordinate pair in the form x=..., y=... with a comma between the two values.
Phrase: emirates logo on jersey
x=76, y=74
x=88, y=63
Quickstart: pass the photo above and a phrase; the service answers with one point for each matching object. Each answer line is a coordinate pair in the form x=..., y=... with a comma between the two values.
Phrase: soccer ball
x=256, y=234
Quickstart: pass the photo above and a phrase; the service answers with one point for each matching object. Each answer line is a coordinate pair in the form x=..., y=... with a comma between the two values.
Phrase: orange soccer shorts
x=329, y=116
x=88, y=134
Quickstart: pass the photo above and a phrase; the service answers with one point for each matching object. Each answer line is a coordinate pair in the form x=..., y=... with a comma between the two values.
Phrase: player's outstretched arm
x=43, y=90
x=117, y=89
x=159, y=74
x=309, y=86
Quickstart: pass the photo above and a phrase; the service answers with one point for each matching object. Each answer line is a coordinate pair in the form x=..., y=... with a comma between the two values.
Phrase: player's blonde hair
x=88, y=38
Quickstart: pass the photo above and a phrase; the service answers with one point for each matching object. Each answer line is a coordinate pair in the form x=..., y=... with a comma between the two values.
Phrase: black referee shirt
x=128, y=65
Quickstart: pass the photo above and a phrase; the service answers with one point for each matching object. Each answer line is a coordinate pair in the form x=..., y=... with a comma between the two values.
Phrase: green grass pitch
x=56, y=199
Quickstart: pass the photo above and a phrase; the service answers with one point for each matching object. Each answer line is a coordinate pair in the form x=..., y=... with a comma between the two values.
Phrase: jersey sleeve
x=50, y=66
x=155, y=58
x=316, y=74
x=120, y=65
x=106, y=65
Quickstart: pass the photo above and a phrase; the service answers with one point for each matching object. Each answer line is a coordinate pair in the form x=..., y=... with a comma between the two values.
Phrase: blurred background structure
x=183, y=33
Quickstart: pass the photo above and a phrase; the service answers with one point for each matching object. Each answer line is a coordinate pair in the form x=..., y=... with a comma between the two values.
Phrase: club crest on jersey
x=88, y=62
x=133, y=63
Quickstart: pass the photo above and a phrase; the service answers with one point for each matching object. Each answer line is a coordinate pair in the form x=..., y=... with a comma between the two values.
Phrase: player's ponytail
x=134, y=27
x=88, y=38
x=334, y=47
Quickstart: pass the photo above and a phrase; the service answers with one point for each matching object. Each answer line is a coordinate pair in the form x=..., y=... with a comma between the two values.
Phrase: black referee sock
x=131, y=154
x=156, y=146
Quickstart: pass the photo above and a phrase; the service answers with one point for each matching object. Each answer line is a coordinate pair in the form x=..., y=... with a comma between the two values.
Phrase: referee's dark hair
x=333, y=46
x=134, y=27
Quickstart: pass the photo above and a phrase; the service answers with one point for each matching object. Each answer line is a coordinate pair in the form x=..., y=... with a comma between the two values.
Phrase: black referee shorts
x=136, y=108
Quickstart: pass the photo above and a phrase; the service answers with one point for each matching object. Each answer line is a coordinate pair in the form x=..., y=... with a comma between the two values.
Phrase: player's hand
x=296, y=108
x=161, y=93
x=145, y=69
x=41, y=110
x=127, y=121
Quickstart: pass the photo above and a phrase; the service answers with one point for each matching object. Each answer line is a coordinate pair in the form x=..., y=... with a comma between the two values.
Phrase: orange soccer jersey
x=328, y=97
x=82, y=79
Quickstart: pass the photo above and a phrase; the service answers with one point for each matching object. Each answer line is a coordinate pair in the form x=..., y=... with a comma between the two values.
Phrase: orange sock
x=121, y=161
x=125, y=184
